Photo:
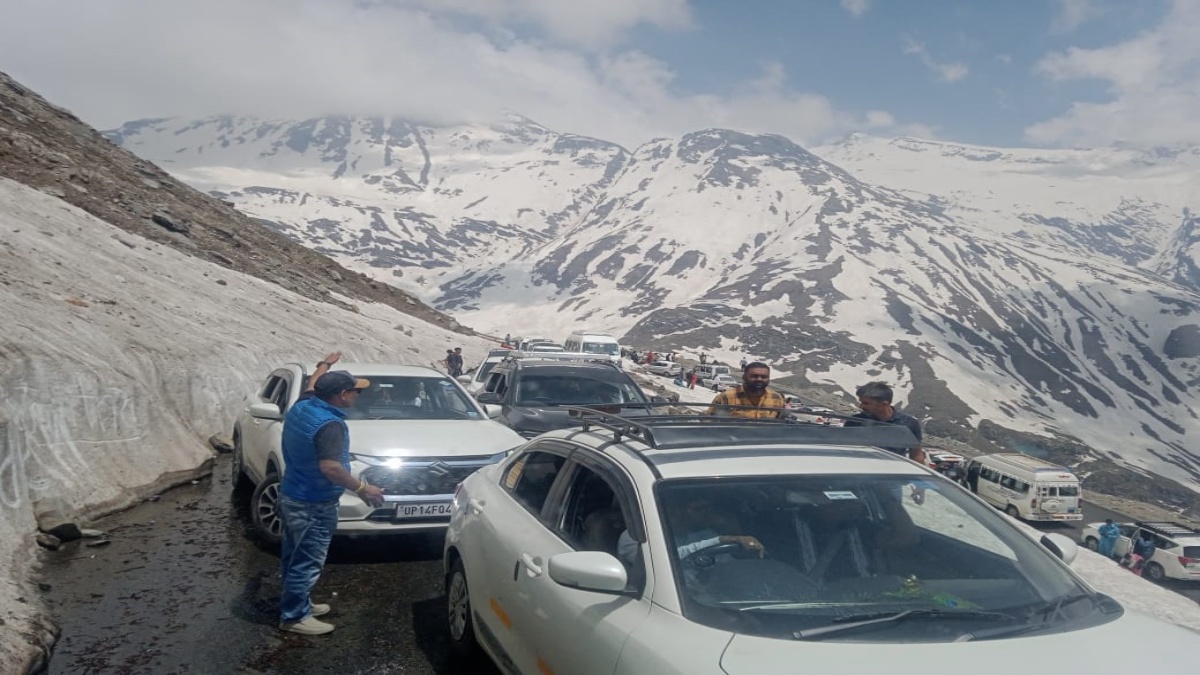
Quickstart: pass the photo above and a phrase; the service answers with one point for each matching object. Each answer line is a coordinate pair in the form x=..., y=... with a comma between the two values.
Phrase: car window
x=530, y=477
x=280, y=395
x=591, y=518
x=1191, y=552
x=560, y=386
x=266, y=393
x=775, y=554
x=1127, y=530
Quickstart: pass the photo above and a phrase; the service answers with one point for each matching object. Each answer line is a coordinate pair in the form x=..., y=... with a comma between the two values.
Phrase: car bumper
x=356, y=517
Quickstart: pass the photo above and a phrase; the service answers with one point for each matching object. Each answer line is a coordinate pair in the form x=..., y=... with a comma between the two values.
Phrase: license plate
x=406, y=511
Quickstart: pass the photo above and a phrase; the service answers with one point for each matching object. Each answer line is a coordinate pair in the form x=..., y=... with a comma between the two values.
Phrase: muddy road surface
x=182, y=586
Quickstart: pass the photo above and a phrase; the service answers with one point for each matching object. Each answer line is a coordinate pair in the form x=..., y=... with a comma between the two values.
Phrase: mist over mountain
x=1045, y=300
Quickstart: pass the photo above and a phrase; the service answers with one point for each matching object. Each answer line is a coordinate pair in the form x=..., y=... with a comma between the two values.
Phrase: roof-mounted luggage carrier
x=1169, y=529
x=675, y=431
x=576, y=357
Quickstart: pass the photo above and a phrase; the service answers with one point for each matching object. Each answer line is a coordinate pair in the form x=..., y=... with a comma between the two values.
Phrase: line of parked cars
x=587, y=533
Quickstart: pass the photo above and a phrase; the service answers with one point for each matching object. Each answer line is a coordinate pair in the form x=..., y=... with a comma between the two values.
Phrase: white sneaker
x=309, y=626
x=320, y=610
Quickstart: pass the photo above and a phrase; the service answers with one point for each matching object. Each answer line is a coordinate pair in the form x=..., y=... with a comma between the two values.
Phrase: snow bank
x=121, y=356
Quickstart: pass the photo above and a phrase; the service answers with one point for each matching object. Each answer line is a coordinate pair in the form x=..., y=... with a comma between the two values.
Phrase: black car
x=535, y=393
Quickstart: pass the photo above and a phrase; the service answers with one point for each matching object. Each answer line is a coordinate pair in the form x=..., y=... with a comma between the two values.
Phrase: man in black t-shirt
x=875, y=400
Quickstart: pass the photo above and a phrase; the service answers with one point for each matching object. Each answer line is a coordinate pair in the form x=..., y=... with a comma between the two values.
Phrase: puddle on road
x=183, y=587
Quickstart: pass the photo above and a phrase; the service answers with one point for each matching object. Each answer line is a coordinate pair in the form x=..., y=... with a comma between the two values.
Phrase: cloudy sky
x=1010, y=72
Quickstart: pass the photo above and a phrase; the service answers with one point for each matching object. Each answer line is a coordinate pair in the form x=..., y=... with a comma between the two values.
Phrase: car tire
x=1092, y=544
x=1013, y=511
x=460, y=623
x=1154, y=572
x=239, y=481
x=264, y=510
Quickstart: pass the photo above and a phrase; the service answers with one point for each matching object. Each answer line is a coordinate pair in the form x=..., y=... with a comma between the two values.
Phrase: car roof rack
x=676, y=431
x=1169, y=529
x=576, y=357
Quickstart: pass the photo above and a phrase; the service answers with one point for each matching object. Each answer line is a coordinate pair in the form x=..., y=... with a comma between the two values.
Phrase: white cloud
x=117, y=60
x=856, y=7
x=1153, y=87
x=946, y=72
x=1073, y=13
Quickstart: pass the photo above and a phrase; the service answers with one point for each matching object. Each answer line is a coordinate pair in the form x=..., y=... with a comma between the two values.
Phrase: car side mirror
x=659, y=400
x=465, y=378
x=265, y=411
x=595, y=571
x=488, y=397
x=1063, y=547
x=493, y=411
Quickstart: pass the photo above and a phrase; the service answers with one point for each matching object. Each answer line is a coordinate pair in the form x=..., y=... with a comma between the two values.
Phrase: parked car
x=720, y=382
x=1176, y=548
x=664, y=368
x=415, y=433
x=1026, y=487
x=734, y=546
x=534, y=393
x=473, y=379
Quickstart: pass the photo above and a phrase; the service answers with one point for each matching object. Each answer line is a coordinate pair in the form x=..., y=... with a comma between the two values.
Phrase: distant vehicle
x=949, y=464
x=1176, y=548
x=1026, y=487
x=793, y=402
x=709, y=370
x=415, y=433
x=526, y=344
x=589, y=342
x=664, y=368
x=545, y=348
x=720, y=382
x=473, y=379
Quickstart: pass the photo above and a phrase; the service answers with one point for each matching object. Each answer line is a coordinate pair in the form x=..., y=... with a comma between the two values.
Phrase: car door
x=261, y=438
x=595, y=505
x=1124, y=543
x=503, y=527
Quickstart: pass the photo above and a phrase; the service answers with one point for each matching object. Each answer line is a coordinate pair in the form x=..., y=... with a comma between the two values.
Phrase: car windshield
x=567, y=387
x=781, y=555
x=393, y=397
x=481, y=373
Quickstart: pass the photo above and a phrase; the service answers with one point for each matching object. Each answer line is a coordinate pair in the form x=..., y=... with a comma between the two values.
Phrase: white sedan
x=728, y=546
x=415, y=432
x=664, y=368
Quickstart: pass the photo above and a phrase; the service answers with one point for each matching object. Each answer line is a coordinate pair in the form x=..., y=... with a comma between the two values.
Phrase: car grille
x=424, y=476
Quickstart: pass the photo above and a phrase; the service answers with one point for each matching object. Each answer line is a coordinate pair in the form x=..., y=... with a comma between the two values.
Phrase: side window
x=989, y=474
x=592, y=518
x=531, y=476
x=281, y=394
x=267, y=393
x=495, y=383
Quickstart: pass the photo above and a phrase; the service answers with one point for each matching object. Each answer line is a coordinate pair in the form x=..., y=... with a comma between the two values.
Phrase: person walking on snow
x=1109, y=533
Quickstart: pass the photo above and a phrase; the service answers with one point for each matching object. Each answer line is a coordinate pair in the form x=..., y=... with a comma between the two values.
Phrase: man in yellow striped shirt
x=753, y=391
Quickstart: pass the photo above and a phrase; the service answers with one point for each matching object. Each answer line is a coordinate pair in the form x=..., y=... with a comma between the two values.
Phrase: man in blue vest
x=316, y=455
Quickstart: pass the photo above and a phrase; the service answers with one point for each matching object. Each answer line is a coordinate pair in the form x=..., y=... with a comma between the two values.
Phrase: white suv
x=696, y=544
x=415, y=433
x=1176, y=548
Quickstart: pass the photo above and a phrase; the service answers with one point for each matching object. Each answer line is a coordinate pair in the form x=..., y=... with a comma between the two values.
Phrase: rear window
x=1191, y=551
x=575, y=386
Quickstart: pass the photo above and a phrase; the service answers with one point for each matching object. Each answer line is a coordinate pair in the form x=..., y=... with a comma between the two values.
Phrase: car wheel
x=264, y=510
x=239, y=480
x=461, y=623
x=1154, y=572
x=1092, y=544
x=1013, y=511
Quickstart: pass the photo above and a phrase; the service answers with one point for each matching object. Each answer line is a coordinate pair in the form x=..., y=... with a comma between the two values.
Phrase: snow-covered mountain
x=1048, y=292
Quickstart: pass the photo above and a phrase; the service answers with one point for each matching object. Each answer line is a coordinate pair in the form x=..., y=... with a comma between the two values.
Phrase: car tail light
x=1185, y=561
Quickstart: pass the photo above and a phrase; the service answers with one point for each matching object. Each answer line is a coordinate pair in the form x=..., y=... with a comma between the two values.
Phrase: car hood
x=430, y=438
x=1117, y=647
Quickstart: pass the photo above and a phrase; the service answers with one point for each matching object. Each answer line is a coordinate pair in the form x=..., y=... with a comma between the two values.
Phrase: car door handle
x=476, y=506
x=531, y=565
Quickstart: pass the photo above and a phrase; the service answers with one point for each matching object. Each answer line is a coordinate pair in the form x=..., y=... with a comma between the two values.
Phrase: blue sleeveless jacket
x=302, y=477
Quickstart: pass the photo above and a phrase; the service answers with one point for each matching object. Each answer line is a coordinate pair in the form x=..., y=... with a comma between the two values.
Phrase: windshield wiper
x=846, y=623
x=1051, y=609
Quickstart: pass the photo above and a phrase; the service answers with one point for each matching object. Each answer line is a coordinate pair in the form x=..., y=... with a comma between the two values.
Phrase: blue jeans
x=307, y=530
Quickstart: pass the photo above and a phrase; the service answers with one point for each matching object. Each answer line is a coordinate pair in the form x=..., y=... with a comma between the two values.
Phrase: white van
x=600, y=344
x=711, y=370
x=1026, y=487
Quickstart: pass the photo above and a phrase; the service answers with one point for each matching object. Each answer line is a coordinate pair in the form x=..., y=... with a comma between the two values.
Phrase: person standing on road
x=316, y=451
x=454, y=361
x=753, y=391
x=1109, y=534
x=875, y=400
